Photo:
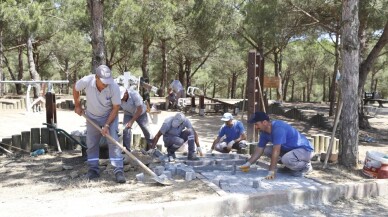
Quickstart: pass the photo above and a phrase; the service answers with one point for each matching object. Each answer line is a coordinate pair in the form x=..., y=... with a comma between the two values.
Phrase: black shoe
x=92, y=174
x=171, y=154
x=284, y=170
x=171, y=157
x=120, y=178
x=303, y=172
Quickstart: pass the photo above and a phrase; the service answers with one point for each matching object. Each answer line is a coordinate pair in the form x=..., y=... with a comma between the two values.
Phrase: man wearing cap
x=176, y=130
x=102, y=106
x=234, y=133
x=134, y=110
x=293, y=148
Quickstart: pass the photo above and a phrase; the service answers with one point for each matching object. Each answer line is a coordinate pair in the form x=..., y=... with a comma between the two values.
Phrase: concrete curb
x=232, y=204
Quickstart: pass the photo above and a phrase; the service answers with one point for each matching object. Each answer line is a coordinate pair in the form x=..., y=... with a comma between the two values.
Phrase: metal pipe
x=35, y=82
x=29, y=83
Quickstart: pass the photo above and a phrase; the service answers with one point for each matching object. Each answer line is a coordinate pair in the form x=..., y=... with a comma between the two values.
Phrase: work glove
x=199, y=151
x=270, y=175
x=245, y=167
x=230, y=144
x=151, y=152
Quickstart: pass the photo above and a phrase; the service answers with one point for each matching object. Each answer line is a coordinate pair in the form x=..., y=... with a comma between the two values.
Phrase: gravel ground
x=374, y=206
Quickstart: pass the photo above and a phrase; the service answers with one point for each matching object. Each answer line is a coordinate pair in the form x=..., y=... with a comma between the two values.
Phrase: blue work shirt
x=231, y=132
x=287, y=136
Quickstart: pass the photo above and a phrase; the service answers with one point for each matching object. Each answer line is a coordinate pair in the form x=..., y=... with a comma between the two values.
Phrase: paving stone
x=159, y=170
x=167, y=174
x=140, y=177
x=190, y=176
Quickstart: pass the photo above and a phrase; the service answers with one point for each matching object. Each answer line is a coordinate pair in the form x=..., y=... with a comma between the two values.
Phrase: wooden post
x=45, y=136
x=35, y=136
x=7, y=141
x=51, y=109
x=16, y=141
x=193, y=104
x=201, y=105
x=26, y=141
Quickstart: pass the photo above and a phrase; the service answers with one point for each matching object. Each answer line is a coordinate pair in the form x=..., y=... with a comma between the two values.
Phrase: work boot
x=303, y=172
x=171, y=157
x=192, y=156
x=120, y=178
x=284, y=170
x=92, y=174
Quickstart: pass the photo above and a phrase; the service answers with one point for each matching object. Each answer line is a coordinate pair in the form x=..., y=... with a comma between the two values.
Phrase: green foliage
x=210, y=34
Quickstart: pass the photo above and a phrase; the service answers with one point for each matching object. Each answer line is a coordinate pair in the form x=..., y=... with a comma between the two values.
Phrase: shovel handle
x=150, y=172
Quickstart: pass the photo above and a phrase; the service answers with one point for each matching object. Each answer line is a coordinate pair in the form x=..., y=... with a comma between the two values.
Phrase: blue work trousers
x=144, y=126
x=93, y=137
x=173, y=143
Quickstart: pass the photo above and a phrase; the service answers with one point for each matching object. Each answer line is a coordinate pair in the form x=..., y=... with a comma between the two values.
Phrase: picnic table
x=374, y=97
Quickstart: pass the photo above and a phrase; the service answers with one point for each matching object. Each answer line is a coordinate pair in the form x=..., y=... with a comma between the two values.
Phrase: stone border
x=232, y=204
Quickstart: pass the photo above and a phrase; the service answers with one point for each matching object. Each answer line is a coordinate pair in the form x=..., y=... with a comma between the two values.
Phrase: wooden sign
x=271, y=82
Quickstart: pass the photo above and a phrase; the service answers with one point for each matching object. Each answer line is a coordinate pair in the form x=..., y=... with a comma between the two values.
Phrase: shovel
x=160, y=179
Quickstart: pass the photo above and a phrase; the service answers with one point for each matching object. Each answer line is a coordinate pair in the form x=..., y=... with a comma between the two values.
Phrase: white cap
x=227, y=117
x=105, y=74
x=122, y=91
x=178, y=119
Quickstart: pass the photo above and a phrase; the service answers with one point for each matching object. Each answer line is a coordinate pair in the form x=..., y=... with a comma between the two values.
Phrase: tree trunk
x=333, y=78
x=324, y=88
x=233, y=84
x=188, y=72
x=214, y=90
x=292, y=90
x=285, y=82
x=365, y=68
x=349, y=84
x=20, y=70
x=96, y=11
x=1, y=60
x=277, y=70
x=163, y=82
x=146, y=53
x=31, y=63
x=181, y=70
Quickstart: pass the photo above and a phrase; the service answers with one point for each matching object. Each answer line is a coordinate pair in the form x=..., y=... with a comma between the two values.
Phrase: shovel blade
x=162, y=180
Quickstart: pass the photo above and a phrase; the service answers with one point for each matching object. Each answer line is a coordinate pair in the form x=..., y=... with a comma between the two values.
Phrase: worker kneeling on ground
x=176, y=130
x=234, y=133
x=289, y=145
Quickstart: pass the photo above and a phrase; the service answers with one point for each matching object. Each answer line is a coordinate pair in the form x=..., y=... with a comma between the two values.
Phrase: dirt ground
x=56, y=181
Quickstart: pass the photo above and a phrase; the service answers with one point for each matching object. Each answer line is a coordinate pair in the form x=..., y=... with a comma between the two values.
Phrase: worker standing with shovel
x=102, y=106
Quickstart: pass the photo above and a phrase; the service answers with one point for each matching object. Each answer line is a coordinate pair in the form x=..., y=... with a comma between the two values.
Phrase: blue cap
x=258, y=116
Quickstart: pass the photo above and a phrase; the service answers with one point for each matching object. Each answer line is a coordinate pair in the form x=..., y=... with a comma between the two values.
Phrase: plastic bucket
x=373, y=162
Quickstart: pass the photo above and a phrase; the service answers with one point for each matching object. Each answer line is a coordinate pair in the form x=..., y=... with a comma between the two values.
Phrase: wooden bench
x=374, y=97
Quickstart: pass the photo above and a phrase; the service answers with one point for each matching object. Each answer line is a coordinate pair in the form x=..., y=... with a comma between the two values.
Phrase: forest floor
x=39, y=186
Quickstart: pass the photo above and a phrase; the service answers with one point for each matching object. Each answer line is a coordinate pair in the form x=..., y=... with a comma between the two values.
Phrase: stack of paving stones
x=275, y=109
x=295, y=113
x=318, y=120
x=221, y=171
